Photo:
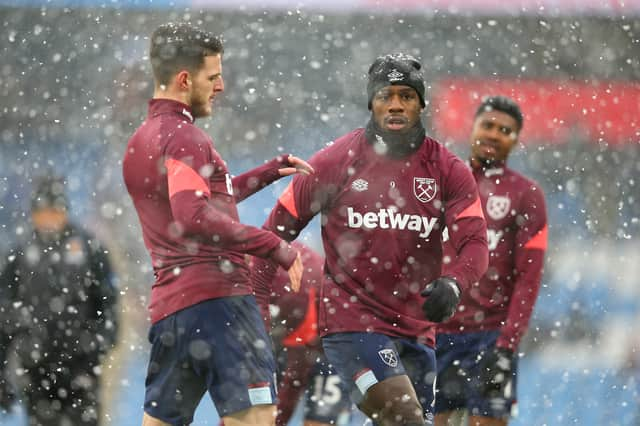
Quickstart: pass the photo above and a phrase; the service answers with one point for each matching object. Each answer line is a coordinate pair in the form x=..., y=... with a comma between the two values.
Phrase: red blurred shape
x=555, y=111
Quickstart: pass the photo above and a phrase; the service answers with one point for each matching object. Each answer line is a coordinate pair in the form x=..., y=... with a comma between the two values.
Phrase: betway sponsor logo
x=389, y=219
x=493, y=238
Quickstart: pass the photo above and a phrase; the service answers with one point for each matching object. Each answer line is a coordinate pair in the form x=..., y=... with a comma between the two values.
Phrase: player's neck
x=395, y=144
x=483, y=164
x=172, y=95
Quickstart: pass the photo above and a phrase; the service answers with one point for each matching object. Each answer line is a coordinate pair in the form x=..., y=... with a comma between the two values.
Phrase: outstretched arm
x=254, y=180
x=201, y=210
x=531, y=245
x=303, y=198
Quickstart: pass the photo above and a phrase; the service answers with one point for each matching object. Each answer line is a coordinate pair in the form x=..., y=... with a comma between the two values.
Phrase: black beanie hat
x=395, y=69
x=49, y=193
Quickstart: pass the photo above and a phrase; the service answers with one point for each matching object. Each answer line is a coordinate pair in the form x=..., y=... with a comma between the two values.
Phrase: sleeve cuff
x=284, y=255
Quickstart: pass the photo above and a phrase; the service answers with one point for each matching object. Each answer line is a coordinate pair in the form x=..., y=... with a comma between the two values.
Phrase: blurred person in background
x=303, y=369
x=477, y=348
x=58, y=315
x=385, y=193
x=207, y=333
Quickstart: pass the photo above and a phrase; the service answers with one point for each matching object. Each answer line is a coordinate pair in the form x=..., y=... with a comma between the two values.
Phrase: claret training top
x=504, y=298
x=186, y=203
x=382, y=222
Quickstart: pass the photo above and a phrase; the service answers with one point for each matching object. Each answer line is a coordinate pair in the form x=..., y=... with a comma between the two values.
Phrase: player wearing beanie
x=385, y=193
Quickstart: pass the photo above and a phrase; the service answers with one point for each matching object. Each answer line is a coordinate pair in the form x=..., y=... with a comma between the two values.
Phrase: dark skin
x=396, y=108
x=493, y=136
x=393, y=401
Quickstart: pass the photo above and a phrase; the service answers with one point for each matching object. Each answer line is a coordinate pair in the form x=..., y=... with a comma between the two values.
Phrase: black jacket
x=58, y=303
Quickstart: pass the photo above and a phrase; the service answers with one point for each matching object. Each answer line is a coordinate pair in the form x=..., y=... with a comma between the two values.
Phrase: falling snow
x=74, y=84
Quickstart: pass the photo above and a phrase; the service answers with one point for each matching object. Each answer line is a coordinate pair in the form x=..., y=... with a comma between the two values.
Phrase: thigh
x=173, y=389
x=218, y=345
x=420, y=363
x=458, y=383
x=497, y=406
x=362, y=360
x=240, y=368
x=326, y=398
x=455, y=355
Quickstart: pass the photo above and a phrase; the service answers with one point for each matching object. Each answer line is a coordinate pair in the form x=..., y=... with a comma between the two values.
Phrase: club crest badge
x=395, y=75
x=389, y=357
x=498, y=207
x=424, y=189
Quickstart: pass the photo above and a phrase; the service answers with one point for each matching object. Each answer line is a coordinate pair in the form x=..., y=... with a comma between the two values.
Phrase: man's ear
x=183, y=80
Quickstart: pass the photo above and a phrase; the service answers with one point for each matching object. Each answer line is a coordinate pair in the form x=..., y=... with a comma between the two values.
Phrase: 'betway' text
x=388, y=219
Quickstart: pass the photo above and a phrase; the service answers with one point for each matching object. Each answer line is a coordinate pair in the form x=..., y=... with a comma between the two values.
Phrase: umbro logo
x=360, y=185
x=395, y=75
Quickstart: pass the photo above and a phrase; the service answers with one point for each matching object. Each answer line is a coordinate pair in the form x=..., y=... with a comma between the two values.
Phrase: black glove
x=496, y=370
x=443, y=295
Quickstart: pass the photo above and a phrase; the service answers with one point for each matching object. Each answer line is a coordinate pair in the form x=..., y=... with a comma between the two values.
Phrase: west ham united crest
x=424, y=189
x=498, y=207
x=389, y=357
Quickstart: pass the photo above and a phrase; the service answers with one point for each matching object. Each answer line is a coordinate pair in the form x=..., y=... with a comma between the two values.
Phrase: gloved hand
x=7, y=395
x=443, y=295
x=496, y=369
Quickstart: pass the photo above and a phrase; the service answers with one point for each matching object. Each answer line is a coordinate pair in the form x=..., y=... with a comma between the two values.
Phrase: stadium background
x=74, y=81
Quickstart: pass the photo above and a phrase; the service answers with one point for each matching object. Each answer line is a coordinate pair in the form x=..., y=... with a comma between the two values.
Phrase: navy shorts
x=364, y=359
x=218, y=345
x=326, y=398
x=458, y=384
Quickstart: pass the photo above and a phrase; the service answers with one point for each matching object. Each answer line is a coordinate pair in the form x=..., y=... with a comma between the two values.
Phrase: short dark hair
x=502, y=104
x=49, y=192
x=175, y=47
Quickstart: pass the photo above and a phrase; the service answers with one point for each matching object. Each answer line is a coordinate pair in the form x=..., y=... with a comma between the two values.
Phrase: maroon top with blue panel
x=514, y=208
x=382, y=220
x=184, y=197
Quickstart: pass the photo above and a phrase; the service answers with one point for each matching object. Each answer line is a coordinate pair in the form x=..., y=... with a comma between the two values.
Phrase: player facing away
x=207, y=333
x=385, y=193
x=304, y=371
x=476, y=349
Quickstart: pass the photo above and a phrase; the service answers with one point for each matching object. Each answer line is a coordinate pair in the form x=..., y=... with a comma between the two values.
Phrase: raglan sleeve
x=529, y=252
x=254, y=180
x=302, y=199
x=466, y=227
x=189, y=162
